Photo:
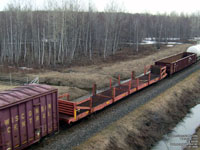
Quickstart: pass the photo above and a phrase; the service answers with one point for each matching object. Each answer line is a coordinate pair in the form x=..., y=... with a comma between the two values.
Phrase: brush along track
x=84, y=129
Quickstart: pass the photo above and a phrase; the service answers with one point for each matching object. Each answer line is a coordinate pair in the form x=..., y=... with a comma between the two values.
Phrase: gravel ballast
x=84, y=129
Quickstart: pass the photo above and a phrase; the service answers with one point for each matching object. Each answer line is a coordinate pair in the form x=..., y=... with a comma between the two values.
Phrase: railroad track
x=84, y=129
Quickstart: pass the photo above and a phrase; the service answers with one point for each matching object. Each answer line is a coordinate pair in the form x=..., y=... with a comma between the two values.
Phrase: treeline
x=58, y=36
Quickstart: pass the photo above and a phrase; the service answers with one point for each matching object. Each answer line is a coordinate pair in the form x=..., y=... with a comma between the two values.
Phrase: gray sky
x=134, y=6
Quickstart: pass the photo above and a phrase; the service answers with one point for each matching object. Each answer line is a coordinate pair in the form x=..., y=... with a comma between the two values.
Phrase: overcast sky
x=134, y=6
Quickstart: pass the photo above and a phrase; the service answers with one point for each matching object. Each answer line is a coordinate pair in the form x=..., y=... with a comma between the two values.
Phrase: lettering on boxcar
x=6, y=122
x=8, y=129
x=17, y=118
x=37, y=118
x=43, y=115
x=42, y=108
x=49, y=106
x=30, y=120
x=23, y=123
x=37, y=110
x=30, y=113
x=15, y=126
x=22, y=116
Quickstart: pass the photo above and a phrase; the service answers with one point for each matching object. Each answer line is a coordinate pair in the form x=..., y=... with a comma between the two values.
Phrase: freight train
x=31, y=112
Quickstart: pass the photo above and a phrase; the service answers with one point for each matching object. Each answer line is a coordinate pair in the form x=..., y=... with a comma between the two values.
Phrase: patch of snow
x=170, y=45
x=25, y=68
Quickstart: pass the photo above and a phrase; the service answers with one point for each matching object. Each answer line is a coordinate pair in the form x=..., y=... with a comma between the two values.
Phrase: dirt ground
x=78, y=80
x=143, y=127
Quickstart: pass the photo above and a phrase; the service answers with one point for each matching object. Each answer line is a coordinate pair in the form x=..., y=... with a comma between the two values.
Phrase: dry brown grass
x=85, y=76
x=6, y=87
x=75, y=92
x=82, y=80
x=133, y=130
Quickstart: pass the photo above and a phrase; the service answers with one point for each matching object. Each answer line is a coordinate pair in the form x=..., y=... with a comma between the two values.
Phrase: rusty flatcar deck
x=71, y=111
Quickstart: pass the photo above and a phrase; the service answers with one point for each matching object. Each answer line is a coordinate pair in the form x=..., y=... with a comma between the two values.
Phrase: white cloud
x=162, y=6
x=153, y=6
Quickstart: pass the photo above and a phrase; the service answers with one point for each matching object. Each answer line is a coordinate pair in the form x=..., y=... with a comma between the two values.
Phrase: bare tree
x=64, y=32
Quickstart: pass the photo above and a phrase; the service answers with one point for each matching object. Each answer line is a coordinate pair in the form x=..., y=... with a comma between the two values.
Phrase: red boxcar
x=177, y=62
x=27, y=114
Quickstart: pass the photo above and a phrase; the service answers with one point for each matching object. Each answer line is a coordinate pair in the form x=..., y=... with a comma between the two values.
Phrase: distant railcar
x=177, y=62
x=194, y=49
